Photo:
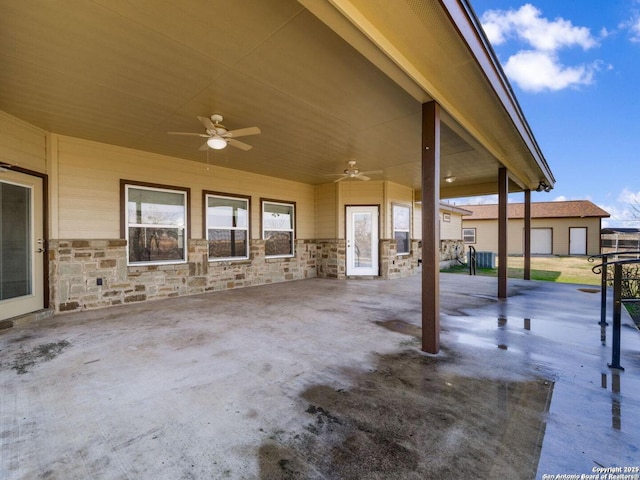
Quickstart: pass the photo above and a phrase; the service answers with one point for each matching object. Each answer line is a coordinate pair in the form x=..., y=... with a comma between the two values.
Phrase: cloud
x=633, y=28
x=535, y=71
x=538, y=67
x=493, y=199
x=621, y=216
x=527, y=24
x=627, y=196
x=624, y=213
x=483, y=200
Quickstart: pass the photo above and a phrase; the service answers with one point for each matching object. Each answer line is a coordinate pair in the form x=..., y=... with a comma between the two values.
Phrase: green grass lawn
x=552, y=269
x=547, y=268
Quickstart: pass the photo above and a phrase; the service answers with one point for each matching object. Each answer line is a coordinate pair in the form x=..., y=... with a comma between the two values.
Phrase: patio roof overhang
x=326, y=82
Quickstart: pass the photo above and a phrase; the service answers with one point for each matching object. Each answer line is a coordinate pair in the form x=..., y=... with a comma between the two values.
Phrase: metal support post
x=617, y=307
x=603, y=301
x=472, y=260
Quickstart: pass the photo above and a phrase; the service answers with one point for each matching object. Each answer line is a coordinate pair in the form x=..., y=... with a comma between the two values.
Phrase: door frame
x=586, y=239
x=45, y=225
x=375, y=262
x=550, y=229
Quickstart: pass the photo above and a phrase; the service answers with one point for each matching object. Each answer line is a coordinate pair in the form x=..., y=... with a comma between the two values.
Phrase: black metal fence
x=620, y=270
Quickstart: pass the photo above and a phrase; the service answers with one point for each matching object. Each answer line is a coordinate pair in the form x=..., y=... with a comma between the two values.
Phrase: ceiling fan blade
x=189, y=134
x=238, y=144
x=206, y=121
x=340, y=179
x=203, y=147
x=372, y=172
x=363, y=177
x=242, y=132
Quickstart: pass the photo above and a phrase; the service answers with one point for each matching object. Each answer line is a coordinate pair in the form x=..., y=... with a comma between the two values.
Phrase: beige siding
x=561, y=233
x=326, y=210
x=487, y=234
x=448, y=230
x=384, y=194
x=357, y=192
x=417, y=221
x=89, y=188
x=22, y=144
x=400, y=195
x=451, y=230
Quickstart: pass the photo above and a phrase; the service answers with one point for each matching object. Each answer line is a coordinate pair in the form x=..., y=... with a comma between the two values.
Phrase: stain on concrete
x=24, y=361
x=589, y=290
x=408, y=418
x=6, y=324
x=401, y=326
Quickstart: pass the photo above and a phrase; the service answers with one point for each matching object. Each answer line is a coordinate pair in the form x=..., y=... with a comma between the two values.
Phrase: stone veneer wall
x=76, y=265
x=450, y=250
x=331, y=258
x=393, y=265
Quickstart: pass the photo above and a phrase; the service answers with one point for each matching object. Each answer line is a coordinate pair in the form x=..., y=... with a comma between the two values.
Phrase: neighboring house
x=101, y=206
x=557, y=228
x=616, y=239
x=452, y=248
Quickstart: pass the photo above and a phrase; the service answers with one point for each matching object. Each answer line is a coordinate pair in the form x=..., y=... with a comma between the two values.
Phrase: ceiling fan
x=218, y=136
x=354, y=172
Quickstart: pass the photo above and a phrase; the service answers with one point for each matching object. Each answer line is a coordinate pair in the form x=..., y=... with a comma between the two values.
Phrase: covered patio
x=89, y=93
x=322, y=379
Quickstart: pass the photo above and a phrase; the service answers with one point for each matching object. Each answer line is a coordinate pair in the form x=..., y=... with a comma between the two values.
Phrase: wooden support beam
x=503, y=193
x=431, y=227
x=527, y=235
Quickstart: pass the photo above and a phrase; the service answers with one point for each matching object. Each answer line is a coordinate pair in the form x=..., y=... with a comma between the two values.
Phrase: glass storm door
x=21, y=244
x=362, y=241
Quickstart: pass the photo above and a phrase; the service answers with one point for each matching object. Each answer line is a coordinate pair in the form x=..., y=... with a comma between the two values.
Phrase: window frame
x=475, y=238
x=125, y=185
x=394, y=229
x=205, y=222
x=265, y=201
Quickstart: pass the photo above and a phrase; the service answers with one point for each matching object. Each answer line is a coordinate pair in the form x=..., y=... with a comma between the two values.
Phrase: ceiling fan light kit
x=217, y=143
x=218, y=137
x=354, y=172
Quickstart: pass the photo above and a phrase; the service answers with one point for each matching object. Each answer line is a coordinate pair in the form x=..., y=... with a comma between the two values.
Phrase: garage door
x=577, y=241
x=541, y=241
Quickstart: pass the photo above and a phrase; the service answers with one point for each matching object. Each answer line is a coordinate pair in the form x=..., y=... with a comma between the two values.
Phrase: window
x=227, y=226
x=401, y=225
x=469, y=235
x=155, y=224
x=446, y=217
x=278, y=228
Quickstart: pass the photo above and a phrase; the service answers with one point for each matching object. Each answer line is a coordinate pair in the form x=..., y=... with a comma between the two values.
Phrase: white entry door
x=577, y=241
x=21, y=244
x=362, y=240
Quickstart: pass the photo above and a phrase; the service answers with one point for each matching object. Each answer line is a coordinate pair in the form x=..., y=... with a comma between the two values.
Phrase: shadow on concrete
x=407, y=419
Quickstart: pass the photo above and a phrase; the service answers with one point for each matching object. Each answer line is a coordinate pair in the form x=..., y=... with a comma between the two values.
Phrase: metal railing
x=473, y=260
x=603, y=270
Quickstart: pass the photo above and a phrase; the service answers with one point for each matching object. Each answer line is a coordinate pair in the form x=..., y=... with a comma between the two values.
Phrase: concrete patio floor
x=322, y=379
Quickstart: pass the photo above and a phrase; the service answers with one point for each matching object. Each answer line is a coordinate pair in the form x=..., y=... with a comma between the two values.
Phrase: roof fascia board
x=447, y=207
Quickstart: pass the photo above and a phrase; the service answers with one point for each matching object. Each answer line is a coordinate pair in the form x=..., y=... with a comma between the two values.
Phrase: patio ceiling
x=326, y=82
